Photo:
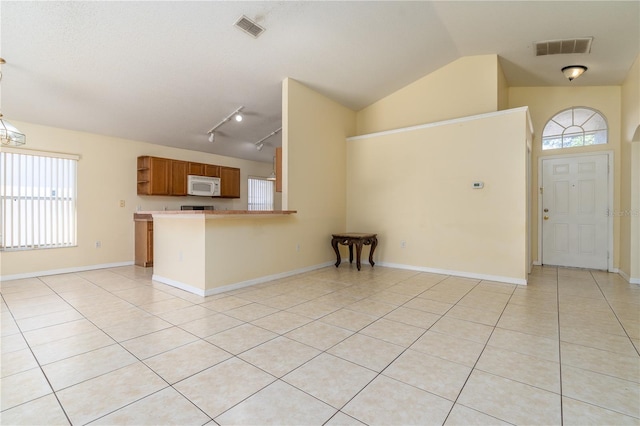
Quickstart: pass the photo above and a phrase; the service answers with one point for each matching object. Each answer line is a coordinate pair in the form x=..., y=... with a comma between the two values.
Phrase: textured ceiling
x=166, y=72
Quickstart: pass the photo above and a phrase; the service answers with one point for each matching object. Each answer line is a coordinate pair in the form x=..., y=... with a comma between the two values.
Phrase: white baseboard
x=178, y=284
x=537, y=263
x=63, y=271
x=239, y=285
x=463, y=274
x=628, y=278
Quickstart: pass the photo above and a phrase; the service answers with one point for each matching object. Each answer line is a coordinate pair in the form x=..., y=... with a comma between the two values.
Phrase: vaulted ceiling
x=166, y=72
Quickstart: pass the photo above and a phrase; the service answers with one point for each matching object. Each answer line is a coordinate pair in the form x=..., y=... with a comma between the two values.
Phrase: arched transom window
x=577, y=126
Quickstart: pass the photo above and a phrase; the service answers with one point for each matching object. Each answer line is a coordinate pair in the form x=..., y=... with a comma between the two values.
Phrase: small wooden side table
x=351, y=238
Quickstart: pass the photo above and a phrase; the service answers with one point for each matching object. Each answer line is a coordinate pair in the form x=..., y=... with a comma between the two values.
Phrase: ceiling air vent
x=249, y=27
x=563, y=47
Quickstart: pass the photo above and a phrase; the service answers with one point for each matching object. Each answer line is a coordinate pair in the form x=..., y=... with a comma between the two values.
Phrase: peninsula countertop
x=147, y=215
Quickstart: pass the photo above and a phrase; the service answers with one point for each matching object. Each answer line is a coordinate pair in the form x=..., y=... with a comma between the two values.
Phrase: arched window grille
x=576, y=126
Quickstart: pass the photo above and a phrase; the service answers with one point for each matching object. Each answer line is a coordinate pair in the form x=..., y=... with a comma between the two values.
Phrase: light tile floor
x=332, y=346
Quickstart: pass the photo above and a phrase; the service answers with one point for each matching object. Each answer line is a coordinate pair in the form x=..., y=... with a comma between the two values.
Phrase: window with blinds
x=260, y=194
x=38, y=200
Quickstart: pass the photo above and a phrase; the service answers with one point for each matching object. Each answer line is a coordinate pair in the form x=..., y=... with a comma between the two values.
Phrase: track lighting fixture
x=260, y=143
x=235, y=114
x=573, y=71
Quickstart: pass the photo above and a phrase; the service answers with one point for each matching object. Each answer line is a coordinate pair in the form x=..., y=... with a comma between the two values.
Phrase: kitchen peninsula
x=207, y=252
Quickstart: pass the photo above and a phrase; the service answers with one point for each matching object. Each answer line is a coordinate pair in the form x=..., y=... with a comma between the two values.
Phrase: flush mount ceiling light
x=260, y=143
x=9, y=135
x=573, y=71
x=235, y=114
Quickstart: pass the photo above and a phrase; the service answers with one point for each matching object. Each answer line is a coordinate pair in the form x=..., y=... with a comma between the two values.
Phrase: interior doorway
x=575, y=198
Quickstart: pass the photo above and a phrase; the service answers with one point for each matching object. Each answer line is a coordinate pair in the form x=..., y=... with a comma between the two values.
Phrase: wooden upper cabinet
x=163, y=176
x=153, y=175
x=200, y=169
x=178, y=181
x=196, y=169
x=278, y=169
x=229, y=182
x=211, y=170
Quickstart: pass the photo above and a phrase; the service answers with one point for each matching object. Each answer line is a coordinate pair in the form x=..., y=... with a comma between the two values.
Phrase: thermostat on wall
x=477, y=185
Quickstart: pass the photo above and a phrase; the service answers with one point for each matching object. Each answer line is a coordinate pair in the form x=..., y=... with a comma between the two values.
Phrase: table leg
x=334, y=244
x=350, y=252
x=358, y=251
x=374, y=243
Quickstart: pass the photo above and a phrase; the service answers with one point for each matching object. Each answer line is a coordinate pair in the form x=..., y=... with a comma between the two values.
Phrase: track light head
x=212, y=137
x=259, y=146
x=238, y=117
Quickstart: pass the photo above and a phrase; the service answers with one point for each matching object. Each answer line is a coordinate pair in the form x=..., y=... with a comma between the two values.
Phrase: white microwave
x=204, y=186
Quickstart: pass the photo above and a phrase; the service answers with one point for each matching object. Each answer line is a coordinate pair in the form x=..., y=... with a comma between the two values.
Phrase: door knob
x=546, y=218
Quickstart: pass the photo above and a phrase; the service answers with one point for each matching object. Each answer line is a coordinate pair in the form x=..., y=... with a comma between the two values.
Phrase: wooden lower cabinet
x=144, y=242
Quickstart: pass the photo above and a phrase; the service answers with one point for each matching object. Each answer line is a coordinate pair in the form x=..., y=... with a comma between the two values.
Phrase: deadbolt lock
x=546, y=210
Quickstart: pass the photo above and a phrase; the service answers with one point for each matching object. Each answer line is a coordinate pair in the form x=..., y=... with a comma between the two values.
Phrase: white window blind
x=38, y=200
x=260, y=194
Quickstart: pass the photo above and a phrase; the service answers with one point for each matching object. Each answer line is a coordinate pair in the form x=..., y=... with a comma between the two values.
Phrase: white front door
x=574, y=211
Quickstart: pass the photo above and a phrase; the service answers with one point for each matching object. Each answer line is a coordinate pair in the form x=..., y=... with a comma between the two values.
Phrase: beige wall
x=315, y=129
x=544, y=103
x=630, y=177
x=467, y=86
x=416, y=186
x=106, y=175
x=503, y=89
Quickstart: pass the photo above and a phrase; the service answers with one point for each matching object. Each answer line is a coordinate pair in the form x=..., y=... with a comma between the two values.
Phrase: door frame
x=610, y=190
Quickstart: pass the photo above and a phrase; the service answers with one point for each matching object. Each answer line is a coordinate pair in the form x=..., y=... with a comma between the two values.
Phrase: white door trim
x=609, y=155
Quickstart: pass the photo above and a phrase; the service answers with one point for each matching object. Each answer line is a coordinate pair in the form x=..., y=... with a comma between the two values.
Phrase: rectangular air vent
x=249, y=27
x=563, y=47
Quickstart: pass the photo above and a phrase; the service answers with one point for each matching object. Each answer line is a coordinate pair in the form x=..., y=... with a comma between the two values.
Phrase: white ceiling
x=166, y=72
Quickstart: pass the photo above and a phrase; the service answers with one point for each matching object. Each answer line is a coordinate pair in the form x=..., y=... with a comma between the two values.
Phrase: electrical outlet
x=121, y=203
x=98, y=244
x=403, y=244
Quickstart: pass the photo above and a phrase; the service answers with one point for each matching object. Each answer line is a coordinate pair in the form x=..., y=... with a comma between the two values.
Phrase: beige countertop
x=148, y=215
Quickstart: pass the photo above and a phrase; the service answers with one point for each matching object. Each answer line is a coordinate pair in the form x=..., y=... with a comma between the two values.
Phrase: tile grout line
x=559, y=345
x=478, y=359
x=614, y=312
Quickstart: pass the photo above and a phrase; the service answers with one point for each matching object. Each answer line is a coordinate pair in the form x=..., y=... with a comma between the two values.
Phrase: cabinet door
x=278, y=169
x=229, y=182
x=196, y=169
x=144, y=243
x=178, y=183
x=159, y=170
x=211, y=170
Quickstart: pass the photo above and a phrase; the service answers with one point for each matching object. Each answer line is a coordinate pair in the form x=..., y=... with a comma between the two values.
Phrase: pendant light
x=272, y=176
x=9, y=135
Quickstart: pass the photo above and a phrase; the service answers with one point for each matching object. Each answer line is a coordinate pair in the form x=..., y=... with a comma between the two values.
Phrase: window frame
x=250, y=195
x=582, y=133
x=43, y=214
